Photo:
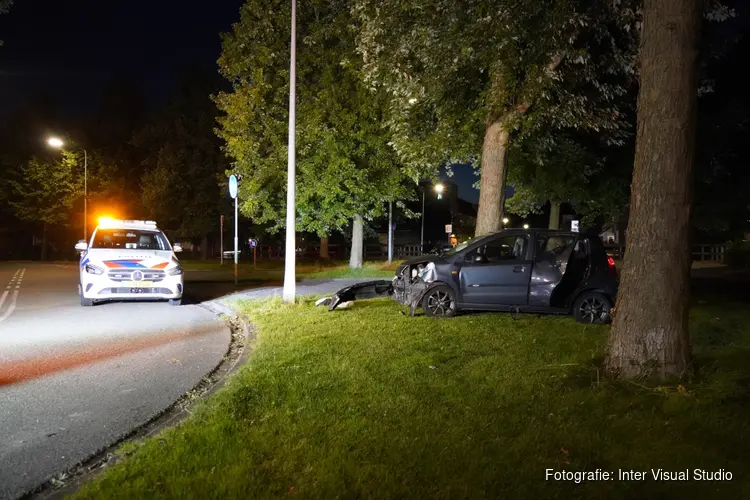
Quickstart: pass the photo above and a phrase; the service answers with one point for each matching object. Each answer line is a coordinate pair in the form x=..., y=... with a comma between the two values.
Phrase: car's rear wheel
x=593, y=308
x=440, y=302
x=175, y=302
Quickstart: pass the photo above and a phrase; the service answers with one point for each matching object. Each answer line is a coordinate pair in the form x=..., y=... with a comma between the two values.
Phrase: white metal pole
x=221, y=239
x=421, y=237
x=289, y=290
x=235, y=239
x=85, y=195
x=390, y=232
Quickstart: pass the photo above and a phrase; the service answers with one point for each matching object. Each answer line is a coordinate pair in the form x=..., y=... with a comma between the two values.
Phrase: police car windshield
x=130, y=239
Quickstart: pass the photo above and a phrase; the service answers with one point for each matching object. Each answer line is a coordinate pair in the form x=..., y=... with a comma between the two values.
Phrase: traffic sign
x=233, y=186
x=574, y=226
x=253, y=243
x=449, y=228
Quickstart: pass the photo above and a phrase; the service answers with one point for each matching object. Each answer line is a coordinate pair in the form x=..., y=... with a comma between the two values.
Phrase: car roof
x=129, y=225
x=536, y=230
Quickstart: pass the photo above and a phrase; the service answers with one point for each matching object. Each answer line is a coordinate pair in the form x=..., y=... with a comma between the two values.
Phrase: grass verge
x=275, y=269
x=369, y=403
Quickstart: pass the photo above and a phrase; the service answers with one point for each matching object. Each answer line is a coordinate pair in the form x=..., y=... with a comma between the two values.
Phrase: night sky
x=70, y=51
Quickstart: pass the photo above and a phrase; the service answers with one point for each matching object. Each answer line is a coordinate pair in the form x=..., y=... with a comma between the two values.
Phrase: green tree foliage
x=46, y=189
x=345, y=165
x=558, y=166
x=467, y=78
x=182, y=184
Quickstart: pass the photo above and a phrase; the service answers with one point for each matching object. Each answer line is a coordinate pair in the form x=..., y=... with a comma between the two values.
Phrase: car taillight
x=611, y=265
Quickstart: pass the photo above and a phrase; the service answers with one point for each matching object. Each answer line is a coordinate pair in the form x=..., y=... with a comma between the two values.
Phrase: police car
x=129, y=259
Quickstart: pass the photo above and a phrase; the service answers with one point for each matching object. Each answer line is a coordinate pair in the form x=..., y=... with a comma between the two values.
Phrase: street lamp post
x=289, y=289
x=439, y=190
x=57, y=143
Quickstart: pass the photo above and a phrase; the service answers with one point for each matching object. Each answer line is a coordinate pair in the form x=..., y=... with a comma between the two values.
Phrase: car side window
x=503, y=249
x=550, y=246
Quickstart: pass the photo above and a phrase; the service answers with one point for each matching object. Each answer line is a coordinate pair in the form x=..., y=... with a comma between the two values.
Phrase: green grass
x=370, y=403
x=275, y=269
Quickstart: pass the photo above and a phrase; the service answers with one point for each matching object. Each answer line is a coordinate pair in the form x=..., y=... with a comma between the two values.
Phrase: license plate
x=140, y=284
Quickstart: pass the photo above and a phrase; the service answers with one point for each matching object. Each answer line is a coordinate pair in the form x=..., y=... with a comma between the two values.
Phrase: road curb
x=70, y=481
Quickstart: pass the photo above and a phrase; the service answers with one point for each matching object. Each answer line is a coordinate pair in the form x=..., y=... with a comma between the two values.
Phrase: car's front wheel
x=86, y=302
x=175, y=302
x=440, y=302
x=592, y=307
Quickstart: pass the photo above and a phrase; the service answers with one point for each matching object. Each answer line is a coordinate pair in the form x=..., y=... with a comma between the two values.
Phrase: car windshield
x=130, y=239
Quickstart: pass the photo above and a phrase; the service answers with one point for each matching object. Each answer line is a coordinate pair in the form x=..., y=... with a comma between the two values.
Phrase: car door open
x=497, y=273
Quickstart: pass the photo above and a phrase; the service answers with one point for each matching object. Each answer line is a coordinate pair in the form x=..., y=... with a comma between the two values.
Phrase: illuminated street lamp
x=439, y=188
x=57, y=143
x=505, y=221
x=525, y=226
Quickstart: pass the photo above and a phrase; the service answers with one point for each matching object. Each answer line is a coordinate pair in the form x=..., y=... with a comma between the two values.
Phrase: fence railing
x=713, y=253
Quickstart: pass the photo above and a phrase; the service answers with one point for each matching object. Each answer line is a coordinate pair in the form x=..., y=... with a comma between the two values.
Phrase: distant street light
x=525, y=226
x=289, y=289
x=505, y=221
x=439, y=190
x=57, y=143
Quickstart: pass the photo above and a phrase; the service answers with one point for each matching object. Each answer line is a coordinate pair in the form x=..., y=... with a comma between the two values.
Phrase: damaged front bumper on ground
x=407, y=288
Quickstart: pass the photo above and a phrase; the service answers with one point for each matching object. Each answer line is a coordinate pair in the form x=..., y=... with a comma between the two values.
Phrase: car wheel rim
x=592, y=308
x=439, y=303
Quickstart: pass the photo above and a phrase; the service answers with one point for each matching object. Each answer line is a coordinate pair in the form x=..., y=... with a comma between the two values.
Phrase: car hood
x=422, y=259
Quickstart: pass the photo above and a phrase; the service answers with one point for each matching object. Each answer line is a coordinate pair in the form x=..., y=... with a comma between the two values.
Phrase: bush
x=738, y=254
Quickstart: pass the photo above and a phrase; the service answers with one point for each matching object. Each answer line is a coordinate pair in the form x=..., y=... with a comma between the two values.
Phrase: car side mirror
x=177, y=248
x=82, y=246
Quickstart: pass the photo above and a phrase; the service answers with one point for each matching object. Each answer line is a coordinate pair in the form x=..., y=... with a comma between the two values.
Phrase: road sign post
x=233, y=194
x=254, y=246
x=221, y=239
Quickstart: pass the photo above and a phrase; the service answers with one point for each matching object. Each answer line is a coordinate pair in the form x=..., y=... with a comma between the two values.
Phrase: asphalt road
x=74, y=380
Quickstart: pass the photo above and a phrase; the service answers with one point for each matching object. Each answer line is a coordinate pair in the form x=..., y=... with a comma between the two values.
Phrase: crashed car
x=530, y=270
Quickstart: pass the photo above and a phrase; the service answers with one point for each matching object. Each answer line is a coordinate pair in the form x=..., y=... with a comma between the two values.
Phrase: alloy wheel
x=592, y=309
x=440, y=303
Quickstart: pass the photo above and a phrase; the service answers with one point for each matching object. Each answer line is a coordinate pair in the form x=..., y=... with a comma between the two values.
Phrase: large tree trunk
x=355, y=259
x=204, y=247
x=45, y=242
x=324, y=248
x=554, y=214
x=492, y=181
x=650, y=331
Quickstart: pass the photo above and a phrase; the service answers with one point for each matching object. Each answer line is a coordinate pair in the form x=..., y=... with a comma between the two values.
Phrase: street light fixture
x=525, y=226
x=57, y=143
x=505, y=221
x=439, y=190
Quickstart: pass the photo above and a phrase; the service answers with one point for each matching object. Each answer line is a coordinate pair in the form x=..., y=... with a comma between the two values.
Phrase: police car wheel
x=175, y=302
x=86, y=302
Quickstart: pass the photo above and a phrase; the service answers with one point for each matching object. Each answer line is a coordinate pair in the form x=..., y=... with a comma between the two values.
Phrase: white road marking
x=11, y=307
x=15, y=280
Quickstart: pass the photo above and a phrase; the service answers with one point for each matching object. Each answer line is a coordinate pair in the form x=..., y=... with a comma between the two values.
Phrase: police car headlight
x=92, y=269
x=175, y=271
